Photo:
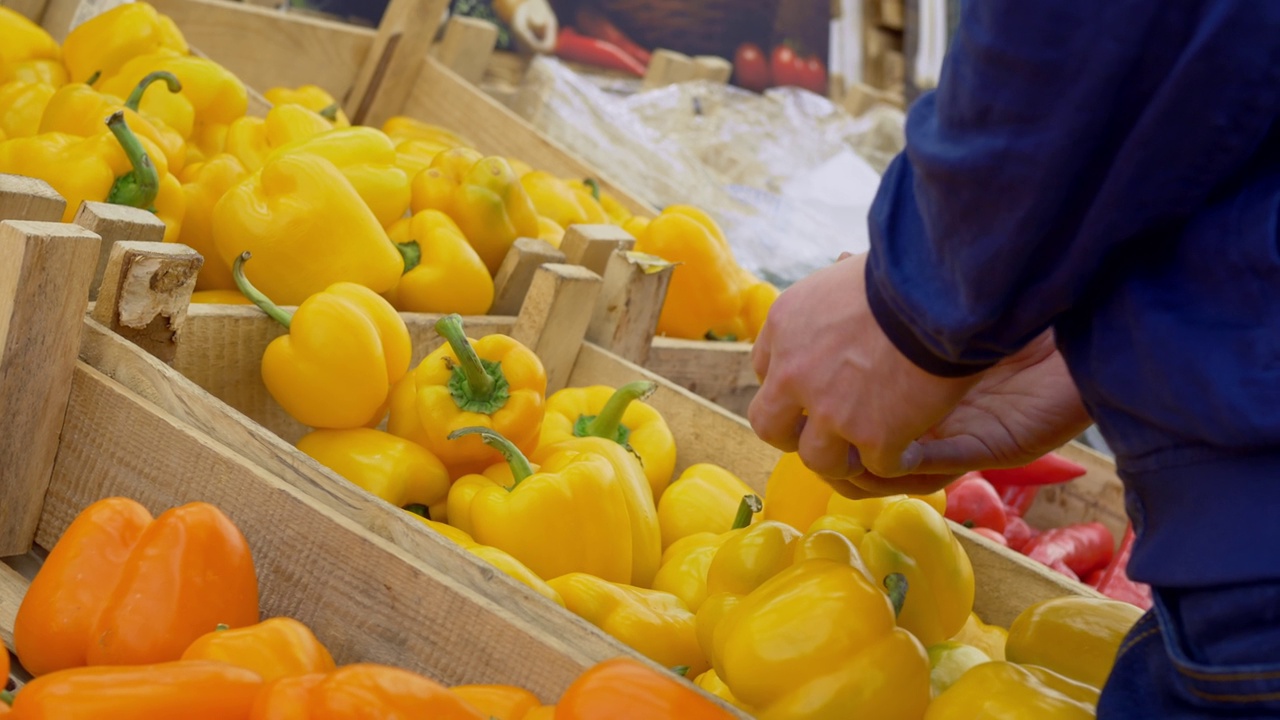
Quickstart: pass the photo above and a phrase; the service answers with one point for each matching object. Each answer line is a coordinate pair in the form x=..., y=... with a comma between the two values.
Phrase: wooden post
x=116, y=223
x=712, y=68
x=24, y=198
x=626, y=316
x=668, y=67
x=515, y=275
x=591, y=246
x=45, y=269
x=32, y=10
x=553, y=321
x=467, y=47
x=396, y=59
x=145, y=293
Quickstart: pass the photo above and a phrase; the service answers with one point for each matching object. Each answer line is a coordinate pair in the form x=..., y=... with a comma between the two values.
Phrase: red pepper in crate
x=593, y=24
x=1114, y=581
x=973, y=502
x=1018, y=499
x=1048, y=470
x=590, y=51
x=1080, y=548
x=1018, y=533
x=992, y=535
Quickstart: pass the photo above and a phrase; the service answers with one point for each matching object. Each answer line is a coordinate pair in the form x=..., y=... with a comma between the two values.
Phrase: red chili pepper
x=1018, y=499
x=992, y=535
x=973, y=502
x=1094, y=578
x=1017, y=533
x=590, y=51
x=1083, y=548
x=593, y=24
x=1048, y=470
x=1115, y=582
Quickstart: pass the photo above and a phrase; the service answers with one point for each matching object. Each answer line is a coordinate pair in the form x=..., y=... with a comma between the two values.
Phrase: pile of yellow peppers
x=409, y=211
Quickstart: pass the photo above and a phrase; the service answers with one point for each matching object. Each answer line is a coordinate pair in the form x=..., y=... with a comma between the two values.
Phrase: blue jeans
x=1212, y=653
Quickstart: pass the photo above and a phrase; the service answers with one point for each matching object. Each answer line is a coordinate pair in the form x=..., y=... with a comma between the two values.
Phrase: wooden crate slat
x=1097, y=496
x=718, y=371
x=13, y=586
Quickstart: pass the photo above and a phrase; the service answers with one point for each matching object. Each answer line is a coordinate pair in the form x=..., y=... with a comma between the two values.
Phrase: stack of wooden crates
x=883, y=58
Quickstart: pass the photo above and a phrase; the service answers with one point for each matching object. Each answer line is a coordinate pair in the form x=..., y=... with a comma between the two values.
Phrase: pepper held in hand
x=345, y=349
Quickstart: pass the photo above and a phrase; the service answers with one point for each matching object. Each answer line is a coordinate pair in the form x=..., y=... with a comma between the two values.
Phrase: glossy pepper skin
x=685, y=565
x=704, y=498
x=406, y=128
x=646, y=537
x=950, y=660
x=492, y=382
x=23, y=103
x=24, y=40
x=798, y=496
x=367, y=158
x=483, y=195
x=312, y=97
x=706, y=293
x=1075, y=637
x=912, y=538
x=618, y=415
x=558, y=201
x=307, y=229
x=711, y=684
x=376, y=690
x=443, y=273
x=106, y=42
x=195, y=690
x=276, y=648
x=346, y=349
x=392, y=468
x=571, y=516
x=253, y=139
x=497, y=558
x=990, y=639
x=203, y=185
x=1004, y=691
x=625, y=689
x=653, y=623
x=498, y=702
x=818, y=640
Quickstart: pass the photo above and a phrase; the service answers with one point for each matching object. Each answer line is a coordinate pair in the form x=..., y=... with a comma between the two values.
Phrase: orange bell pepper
x=626, y=689
x=191, y=690
x=276, y=648
x=499, y=702
x=373, y=691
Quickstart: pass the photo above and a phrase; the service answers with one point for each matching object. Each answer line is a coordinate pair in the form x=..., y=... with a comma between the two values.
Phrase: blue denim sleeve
x=1063, y=133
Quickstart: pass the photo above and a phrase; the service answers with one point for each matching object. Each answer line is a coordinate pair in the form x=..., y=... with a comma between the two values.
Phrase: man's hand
x=835, y=389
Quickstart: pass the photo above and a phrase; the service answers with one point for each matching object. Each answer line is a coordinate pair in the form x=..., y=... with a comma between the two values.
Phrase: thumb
x=953, y=455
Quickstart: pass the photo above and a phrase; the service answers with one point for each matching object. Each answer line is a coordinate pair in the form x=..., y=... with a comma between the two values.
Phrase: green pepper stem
x=255, y=295
x=6, y=697
x=330, y=112
x=480, y=383
x=520, y=467
x=135, y=97
x=222, y=627
x=419, y=509
x=897, y=585
x=594, y=186
x=93, y=78
x=606, y=424
x=681, y=670
x=411, y=253
x=139, y=187
x=750, y=505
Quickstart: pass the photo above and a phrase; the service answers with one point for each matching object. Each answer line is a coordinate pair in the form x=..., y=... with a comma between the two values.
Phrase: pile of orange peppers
x=148, y=618
x=409, y=210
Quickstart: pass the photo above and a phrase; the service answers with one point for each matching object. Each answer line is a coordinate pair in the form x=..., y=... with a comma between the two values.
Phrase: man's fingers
x=826, y=453
x=953, y=456
x=913, y=484
x=775, y=419
x=760, y=354
x=893, y=461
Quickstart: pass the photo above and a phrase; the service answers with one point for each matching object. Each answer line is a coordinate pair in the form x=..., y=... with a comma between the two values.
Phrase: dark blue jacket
x=1111, y=169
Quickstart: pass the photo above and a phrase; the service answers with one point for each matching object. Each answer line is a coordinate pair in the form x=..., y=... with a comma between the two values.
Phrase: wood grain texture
x=554, y=318
x=515, y=274
x=116, y=223
x=718, y=371
x=467, y=47
x=146, y=289
x=45, y=269
x=33, y=10
x=626, y=315
x=13, y=587
x=266, y=48
x=391, y=68
x=667, y=68
x=1098, y=496
x=24, y=198
x=366, y=598
x=443, y=98
x=591, y=246
x=712, y=69
x=57, y=16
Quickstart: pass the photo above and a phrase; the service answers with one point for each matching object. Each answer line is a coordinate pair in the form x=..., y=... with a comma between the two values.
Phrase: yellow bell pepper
x=950, y=660
x=1004, y=691
x=203, y=185
x=367, y=158
x=219, y=297
x=392, y=468
x=253, y=139
x=704, y=498
x=495, y=557
x=561, y=201
x=990, y=639
x=1075, y=637
x=118, y=168
x=550, y=232
x=749, y=557
x=22, y=104
x=706, y=294
x=483, y=196
x=443, y=274
x=588, y=199
x=637, y=225
x=619, y=415
x=495, y=382
x=311, y=97
x=49, y=72
x=654, y=624
x=711, y=684
x=414, y=155
x=211, y=98
x=406, y=128
x=818, y=642
x=106, y=42
x=24, y=41
x=617, y=212
x=307, y=229
x=911, y=538
x=570, y=516
x=756, y=302
x=78, y=109
x=345, y=349
x=795, y=494
x=686, y=563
